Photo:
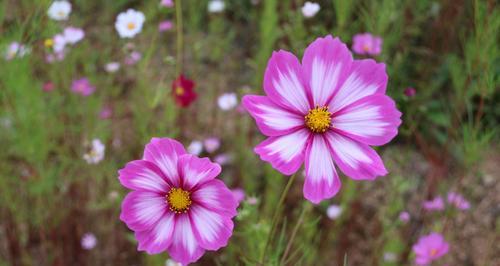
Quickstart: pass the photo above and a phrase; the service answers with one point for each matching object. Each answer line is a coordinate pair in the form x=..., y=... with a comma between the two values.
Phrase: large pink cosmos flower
x=429, y=248
x=176, y=204
x=326, y=111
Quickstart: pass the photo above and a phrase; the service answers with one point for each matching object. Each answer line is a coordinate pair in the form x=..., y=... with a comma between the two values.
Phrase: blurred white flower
x=227, y=101
x=252, y=200
x=195, y=148
x=95, y=153
x=73, y=35
x=16, y=49
x=389, y=257
x=216, y=6
x=129, y=23
x=310, y=9
x=59, y=43
x=112, y=67
x=211, y=144
x=333, y=211
x=171, y=262
x=89, y=241
x=59, y=10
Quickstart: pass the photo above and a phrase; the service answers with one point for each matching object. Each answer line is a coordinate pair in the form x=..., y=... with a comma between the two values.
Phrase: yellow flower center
x=318, y=120
x=131, y=25
x=179, y=91
x=179, y=200
x=48, y=43
x=434, y=252
x=366, y=47
x=61, y=13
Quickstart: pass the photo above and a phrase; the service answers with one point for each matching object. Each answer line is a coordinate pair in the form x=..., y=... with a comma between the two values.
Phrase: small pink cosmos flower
x=458, y=201
x=89, y=241
x=367, y=44
x=73, y=35
x=82, y=86
x=167, y=3
x=410, y=92
x=211, y=144
x=429, y=248
x=165, y=25
x=177, y=205
x=48, y=86
x=404, y=216
x=436, y=204
x=326, y=111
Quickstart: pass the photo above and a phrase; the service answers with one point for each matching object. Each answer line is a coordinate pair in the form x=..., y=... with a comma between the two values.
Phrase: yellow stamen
x=179, y=200
x=318, y=120
x=179, y=91
x=434, y=252
x=48, y=43
x=131, y=25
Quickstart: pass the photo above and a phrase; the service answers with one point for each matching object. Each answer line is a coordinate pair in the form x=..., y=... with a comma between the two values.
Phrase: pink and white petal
x=285, y=153
x=366, y=77
x=164, y=153
x=357, y=160
x=212, y=229
x=184, y=248
x=159, y=237
x=143, y=176
x=272, y=120
x=372, y=120
x=322, y=181
x=326, y=64
x=215, y=196
x=283, y=82
x=195, y=171
x=142, y=209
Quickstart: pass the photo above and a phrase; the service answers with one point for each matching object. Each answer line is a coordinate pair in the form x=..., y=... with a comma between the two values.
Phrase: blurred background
x=70, y=120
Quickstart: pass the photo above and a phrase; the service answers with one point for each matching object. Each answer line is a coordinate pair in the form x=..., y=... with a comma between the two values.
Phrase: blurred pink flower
x=133, y=58
x=252, y=200
x=48, y=86
x=333, y=211
x=112, y=67
x=167, y=3
x=105, y=112
x=165, y=25
x=53, y=57
x=429, y=248
x=73, y=35
x=89, y=241
x=238, y=194
x=59, y=43
x=223, y=159
x=436, y=204
x=82, y=86
x=211, y=144
x=16, y=49
x=458, y=201
x=410, y=92
x=325, y=113
x=176, y=204
x=367, y=44
x=404, y=217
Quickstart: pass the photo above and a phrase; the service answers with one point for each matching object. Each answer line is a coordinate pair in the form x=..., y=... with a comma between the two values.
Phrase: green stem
x=180, y=37
x=275, y=217
x=300, y=221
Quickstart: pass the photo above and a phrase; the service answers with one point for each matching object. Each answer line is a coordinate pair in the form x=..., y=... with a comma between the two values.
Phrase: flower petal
x=326, y=64
x=271, y=119
x=159, y=237
x=215, y=196
x=366, y=77
x=356, y=160
x=322, y=181
x=164, y=153
x=210, y=228
x=283, y=82
x=142, y=209
x=195, y=171
x=144, y=176
x=184, y=248
x=285, y=153
x=373, y=120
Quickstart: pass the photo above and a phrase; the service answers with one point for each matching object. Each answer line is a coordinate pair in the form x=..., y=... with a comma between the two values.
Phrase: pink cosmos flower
x=177, y=204
x=82, y=86
x=436, y=204
x=73, y=35
x=328, y=110
x=367, y=44
x=106, y=112
x=404, y=217
x=48, y=86
x=410, y=92
x=458, y=201
x=211, y=144
x=132, y=58
x=429, y=248
x=165, y=25
x=89, y=241
x=167, y=3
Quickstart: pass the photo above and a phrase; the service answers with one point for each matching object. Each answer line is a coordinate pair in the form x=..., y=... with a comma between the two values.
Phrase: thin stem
x=180, y=37
x=299, y=223
x=275, y=217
